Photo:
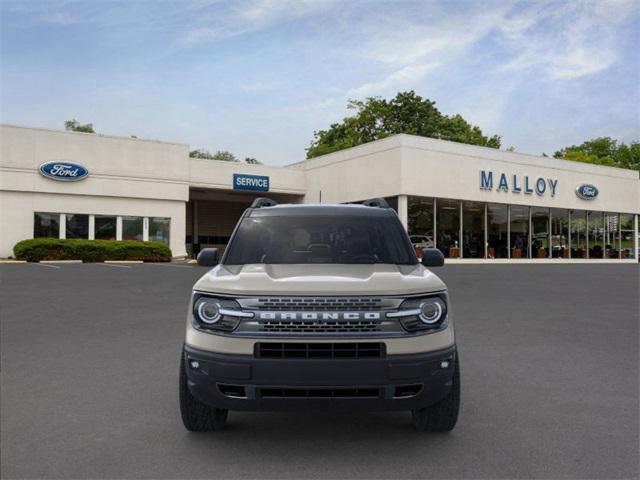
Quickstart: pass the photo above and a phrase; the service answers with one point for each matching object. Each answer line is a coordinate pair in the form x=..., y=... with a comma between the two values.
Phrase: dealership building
x=471, y=202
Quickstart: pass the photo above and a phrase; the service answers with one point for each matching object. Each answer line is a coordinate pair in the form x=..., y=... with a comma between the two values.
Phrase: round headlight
x=208, y=311
x=430, y=312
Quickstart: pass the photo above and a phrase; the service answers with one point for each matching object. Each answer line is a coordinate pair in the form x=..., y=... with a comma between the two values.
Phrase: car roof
x=285, y=210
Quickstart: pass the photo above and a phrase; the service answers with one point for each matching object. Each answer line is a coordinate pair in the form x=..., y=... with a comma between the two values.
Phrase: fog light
x=194, y=364
x=444, y=364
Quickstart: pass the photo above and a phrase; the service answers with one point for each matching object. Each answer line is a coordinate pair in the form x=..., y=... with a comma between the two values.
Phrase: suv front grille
x=319, y=326
x=319, y=304
x=320, y=350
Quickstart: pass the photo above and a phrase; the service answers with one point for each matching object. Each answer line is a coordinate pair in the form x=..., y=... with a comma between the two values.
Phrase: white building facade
x=471, y=202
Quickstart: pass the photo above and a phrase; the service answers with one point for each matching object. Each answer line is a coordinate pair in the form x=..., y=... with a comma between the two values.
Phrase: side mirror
x=432, y=257
x=208, y=257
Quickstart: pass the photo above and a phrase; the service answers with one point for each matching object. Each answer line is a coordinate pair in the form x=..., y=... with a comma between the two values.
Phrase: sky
x=258, y=77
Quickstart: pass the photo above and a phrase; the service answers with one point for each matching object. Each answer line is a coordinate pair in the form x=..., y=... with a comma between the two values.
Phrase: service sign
x=586, y=191
x=254, y=183
x=63, y=171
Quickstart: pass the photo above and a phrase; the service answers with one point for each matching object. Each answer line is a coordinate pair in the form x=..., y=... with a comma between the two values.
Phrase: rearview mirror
x=208, y=257
x=432, y=257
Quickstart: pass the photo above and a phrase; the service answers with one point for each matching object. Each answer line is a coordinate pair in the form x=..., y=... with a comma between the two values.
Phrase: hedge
x=36, y=249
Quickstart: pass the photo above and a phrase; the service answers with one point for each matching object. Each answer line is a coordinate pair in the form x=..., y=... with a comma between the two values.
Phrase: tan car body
x=319, y=280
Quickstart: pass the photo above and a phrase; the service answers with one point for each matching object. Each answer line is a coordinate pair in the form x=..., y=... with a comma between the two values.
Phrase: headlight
x=422, y=313
x=217, y=313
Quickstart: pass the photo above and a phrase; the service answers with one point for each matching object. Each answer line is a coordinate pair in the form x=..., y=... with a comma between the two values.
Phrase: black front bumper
x=244, y=382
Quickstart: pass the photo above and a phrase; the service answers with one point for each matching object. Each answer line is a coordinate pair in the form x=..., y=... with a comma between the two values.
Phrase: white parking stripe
x=47, y=265
x=113, y=265
x=170, y=265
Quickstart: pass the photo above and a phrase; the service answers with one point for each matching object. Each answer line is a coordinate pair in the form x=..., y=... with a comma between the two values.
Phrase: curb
x=60, y=261
x=123, y=261
x=9, y=262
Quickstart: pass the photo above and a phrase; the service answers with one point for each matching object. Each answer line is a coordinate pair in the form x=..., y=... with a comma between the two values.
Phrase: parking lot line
x=47, y=265
x=113, y=265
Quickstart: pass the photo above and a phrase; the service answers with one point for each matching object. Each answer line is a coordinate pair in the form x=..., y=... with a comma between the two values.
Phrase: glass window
x=77, y=226
x=626, y=237
x=420, y=222
x=539, y=232
x=611, y=236
x=578, y=234
x=159, y=229
x=559, y=233
x=448, y=227
x=497, y=231
x=105, y=227
x=472, y=230
x=596, y=235
x=46, y=225
x=132, y=228
x=307, y=239
x=519, y=231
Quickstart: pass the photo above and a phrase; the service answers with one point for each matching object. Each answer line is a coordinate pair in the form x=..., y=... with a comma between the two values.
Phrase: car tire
x=441, y=416
x=196, y=415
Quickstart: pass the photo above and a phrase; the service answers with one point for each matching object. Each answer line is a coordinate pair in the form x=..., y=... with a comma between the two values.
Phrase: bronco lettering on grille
x=319, y=315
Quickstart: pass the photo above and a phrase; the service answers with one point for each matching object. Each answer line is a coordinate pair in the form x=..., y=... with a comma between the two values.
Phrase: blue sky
x=258, y=77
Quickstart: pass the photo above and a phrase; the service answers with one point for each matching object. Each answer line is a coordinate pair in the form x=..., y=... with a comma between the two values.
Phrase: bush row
x=36, y=249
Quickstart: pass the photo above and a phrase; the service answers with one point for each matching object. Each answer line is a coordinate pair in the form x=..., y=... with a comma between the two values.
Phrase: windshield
x=344, y=239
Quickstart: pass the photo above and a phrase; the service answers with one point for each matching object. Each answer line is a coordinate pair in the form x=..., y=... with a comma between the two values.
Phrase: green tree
x=74, y=126
x=252, y=161
x=219, y=155
x=377, y=118
x=604, y=151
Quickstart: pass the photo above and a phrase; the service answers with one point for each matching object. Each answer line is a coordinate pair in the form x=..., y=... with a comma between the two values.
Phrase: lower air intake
x=338, y=392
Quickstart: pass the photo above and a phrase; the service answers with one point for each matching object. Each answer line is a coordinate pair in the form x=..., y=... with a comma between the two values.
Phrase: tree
x=252, y=161
x=604, y=151
x=377, y=118
x=219, y=155
x=75, y=126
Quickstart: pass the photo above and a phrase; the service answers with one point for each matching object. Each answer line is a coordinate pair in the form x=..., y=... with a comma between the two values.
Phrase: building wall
x=126, y=177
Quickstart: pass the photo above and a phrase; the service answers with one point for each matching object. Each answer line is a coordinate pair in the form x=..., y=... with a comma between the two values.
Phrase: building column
x=63, y=225
x=92, y=227
x=118, y=228
x=635, y=236
x=403, y=210
x=145, y=229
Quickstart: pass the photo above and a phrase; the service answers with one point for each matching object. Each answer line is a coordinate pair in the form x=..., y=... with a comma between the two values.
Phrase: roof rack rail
x=376, y=202
x=263, y=202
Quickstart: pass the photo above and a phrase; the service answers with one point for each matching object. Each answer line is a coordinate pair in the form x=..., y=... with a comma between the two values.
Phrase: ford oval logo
x=64, y=171
x=586, y=191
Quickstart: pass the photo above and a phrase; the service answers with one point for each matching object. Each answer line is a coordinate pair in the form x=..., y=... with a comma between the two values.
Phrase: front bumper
x=394, y=382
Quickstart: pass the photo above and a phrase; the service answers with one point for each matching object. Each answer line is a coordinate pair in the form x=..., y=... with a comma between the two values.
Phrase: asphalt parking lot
x=89, y=381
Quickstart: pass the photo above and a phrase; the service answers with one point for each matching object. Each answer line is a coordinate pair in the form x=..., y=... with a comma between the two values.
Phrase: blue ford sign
x=63, y=171
x=250, y=182
x=586, y=191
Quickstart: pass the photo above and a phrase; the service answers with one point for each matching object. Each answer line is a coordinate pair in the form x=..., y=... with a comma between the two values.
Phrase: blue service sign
x=586, y=191
x=250, y=182
x=63, y=171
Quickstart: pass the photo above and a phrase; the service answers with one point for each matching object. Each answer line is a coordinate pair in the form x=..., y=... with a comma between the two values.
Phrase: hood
x=315, y=279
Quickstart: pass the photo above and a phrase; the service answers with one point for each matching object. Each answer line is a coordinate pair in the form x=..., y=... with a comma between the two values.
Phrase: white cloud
x=400, y=79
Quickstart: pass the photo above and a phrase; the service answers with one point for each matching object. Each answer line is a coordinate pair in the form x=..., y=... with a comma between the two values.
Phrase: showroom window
x=626, y=236
x=473, y=230
x=611, y=235
x=539, y=232
x=77, y=226
x=497, y=231
x=132, y=228
x=578, y=234
x=106, y=227
x=159, y=229
x=46, y=225
x=448, y=227
x=420, y=220
x=560, y=233
x=519, y=231
x=595, y=237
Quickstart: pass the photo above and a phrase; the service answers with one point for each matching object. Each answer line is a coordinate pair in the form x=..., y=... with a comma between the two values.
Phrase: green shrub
x=37, y=249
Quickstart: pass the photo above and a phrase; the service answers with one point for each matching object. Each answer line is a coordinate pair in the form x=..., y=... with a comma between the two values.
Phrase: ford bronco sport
x=319, y=306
